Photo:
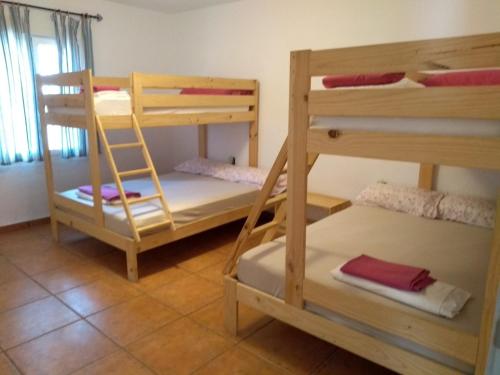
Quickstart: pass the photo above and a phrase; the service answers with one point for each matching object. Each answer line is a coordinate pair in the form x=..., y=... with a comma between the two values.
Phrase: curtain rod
x=97, y=16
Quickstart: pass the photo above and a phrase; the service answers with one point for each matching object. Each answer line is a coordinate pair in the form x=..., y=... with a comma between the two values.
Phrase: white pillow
x=467, y=210
x=410, y=200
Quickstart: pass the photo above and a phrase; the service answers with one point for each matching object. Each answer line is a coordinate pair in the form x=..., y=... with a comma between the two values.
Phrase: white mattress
x=190, y=197
x=455, y=253
x=119, y=103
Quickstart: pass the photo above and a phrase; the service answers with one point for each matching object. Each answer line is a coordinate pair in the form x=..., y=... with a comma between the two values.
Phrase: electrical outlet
x=232, y=160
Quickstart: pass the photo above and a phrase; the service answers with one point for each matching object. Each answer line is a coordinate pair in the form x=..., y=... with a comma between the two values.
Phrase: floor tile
x=241, y=362
x=32, y=320
x=33, y=261
x=289, y=348
x=128, y=321
x=85, y=246
x=20, y=292
x=99, y=295
x=6, y=366
x=63, y=351
x=8, y=272
x=345, y=363
x=152, y=280
x=195, y=261
x=179, y=348
x=13, y=242
x=214, y=273
x=119, y=363
x=68, y=277
x=212, y=317
x=188, y=294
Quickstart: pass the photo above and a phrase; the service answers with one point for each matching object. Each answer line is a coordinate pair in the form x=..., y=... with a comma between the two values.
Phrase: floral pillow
x=468, y=210
x=401, y=198
x=233, y=173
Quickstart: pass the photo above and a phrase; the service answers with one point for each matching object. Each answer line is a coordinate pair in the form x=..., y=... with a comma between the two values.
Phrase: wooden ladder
x=268, y=230
x=149, y=170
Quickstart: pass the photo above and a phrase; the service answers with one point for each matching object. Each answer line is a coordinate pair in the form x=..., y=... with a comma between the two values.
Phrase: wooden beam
x=477, y=51
x=158, y=120
x=203, y=141
x=470, y=152
x=361, y=344
x=63, y=79
x=253, y=131
x=72, y=121
x=121, y=82
x=426, y=176
x=300, y=85
x=157, y=81
x=69, y=204
x=65, y=100
x=439, y=102
x=116, y=122
x=186, y=101
x=439, y=338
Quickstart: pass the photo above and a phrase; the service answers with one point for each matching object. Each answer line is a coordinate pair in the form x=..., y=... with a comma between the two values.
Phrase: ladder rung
x=143, y=199
x=153, y=226
x=125, y=145
x=134, y=172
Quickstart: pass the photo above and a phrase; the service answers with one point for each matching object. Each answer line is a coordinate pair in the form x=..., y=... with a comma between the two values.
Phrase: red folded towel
x=370, y=79
x=109, y=193
x=394, y=275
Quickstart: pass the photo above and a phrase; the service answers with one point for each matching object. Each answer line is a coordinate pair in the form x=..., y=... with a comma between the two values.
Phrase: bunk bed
x=171, y=206
x=289, y=278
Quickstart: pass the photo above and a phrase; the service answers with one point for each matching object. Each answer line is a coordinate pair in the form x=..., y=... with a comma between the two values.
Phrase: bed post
x=300, y=83
x=490, y=299
x=49, y=175
x=202, y=141
x=426, y=176
x=230, y=305
x=253, y=131
x=136, y=87
x=94, y=160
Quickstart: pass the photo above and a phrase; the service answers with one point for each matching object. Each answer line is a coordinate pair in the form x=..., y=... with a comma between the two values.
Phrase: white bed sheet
x=455, y=253
x=190, y=197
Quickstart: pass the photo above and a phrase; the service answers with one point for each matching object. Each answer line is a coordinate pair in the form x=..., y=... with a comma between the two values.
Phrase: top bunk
x=462, y=146
x=156, y=100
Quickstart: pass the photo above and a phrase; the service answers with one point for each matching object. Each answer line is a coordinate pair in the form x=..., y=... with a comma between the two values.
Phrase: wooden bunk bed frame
x=90, y=219
x=429, y=150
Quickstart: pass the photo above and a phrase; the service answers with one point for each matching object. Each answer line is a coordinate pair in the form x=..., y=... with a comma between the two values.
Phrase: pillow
x=331, y=82
x=401, y=198
x=198, y=91
x=468, y=78
x=467, y=210
x=229, y=172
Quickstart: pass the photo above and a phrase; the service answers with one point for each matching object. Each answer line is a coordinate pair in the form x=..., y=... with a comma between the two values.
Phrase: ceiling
x=172, y=6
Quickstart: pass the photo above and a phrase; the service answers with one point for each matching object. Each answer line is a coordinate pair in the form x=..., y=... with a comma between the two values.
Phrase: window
x=46, y=59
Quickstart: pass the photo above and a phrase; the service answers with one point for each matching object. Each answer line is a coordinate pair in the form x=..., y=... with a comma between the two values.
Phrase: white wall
x=129, y=39
x=253, y=39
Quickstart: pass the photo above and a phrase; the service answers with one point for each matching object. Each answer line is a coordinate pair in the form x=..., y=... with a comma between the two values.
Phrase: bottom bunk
x=457, y=254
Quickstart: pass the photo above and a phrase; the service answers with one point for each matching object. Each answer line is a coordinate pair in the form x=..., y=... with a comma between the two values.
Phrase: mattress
x=455, y=253
x=190, y=197
x=118, y=103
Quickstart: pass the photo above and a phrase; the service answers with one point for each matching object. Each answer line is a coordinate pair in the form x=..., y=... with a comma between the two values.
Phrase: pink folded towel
x=391, y=274
x=109, y=193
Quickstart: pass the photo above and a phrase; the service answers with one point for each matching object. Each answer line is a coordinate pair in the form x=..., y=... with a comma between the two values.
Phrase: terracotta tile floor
x=67, y=308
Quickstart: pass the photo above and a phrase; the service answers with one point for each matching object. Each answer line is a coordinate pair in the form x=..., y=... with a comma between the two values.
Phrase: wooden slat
x=447, y=102
x=264, y=228
x=203, y=141
x=161, y=224
x=426, y=176
x=253, y=131
x=101, y=233
x=476, y=51
x=125, y=145
x=143, y=199
x=64, y=79
x=121, y=82
x=116, y=122
x=298, y=118
x=470, y=152
x=74, y=121
x=186, y=101
x=75, y=206
x=377, y=351
x=195, y=119
x=134, y=172
x=65, y=100
x=156, y=81
x=439, y=338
